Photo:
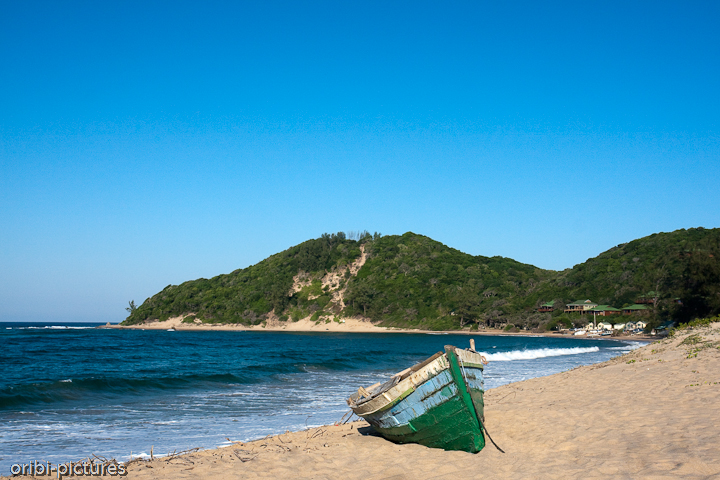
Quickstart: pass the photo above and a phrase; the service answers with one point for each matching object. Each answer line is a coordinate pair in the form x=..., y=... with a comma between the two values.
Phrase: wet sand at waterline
x=652, y=413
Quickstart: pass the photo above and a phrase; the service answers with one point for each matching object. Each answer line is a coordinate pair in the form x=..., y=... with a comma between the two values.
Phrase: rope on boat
x=483, y=428
x=491, y=440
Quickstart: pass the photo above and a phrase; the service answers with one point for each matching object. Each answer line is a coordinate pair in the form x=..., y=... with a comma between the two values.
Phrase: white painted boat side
x=408, y=385
x=403, y=388
x=430, y=394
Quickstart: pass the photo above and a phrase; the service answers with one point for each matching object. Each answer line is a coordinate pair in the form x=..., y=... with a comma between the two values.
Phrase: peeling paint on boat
x=437, y=403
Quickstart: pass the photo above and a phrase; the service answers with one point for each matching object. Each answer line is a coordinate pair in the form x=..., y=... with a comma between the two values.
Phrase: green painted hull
x=449, y=426
x=446, y=411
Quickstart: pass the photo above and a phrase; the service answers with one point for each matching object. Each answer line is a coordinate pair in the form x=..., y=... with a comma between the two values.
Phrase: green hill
x=247, y=295
x=677, y=271
x=413, y=281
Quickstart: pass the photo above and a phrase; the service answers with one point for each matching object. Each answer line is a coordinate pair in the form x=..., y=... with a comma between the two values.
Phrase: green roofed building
x=649, y=297
x=637, y=308
x=547, y=307
x=581, y=306
x=662, y=330
x=604, y=310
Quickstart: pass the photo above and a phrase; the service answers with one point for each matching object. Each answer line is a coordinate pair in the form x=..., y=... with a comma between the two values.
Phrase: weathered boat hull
x=437, y=403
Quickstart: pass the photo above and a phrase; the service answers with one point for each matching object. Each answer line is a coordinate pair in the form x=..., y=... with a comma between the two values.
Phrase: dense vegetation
x=247, y=295
x=414, y=281
x=677, y=271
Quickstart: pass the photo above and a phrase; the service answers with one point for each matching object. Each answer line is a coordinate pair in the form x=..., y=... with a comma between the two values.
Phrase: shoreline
x=651, y=413
x=353, y=325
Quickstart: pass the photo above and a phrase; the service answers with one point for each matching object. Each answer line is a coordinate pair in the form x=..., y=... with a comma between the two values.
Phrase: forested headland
x=412, y=281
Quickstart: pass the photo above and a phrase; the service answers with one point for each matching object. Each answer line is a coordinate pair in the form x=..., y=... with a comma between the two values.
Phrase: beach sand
x=351, y=325
x=347, y=325
x=653, y=413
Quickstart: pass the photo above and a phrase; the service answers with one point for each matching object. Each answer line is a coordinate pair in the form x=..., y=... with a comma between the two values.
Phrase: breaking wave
x=537, y=353
x=629, y=346
x=85, y=388
x=51, y=327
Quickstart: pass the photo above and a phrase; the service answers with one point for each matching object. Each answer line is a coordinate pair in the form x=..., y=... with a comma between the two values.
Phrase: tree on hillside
x=361, y=297
x=278, y=297
x=660, y=281
x=700, y=294
x=467, y=302
x=132, y=307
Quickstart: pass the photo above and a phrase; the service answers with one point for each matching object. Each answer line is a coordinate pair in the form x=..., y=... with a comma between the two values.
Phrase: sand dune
x=653, y=413
x=354, y=325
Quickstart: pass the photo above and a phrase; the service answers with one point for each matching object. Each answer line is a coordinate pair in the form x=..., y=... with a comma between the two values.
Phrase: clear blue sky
x=149, y=143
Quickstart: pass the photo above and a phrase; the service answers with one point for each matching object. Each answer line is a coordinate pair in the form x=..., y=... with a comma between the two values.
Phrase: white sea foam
x=629, y=346
x=65, y=327
x=537, y=353
x=135, y=456
x=52, y=327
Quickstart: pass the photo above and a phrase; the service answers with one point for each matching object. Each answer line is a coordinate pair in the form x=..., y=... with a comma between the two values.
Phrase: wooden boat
x=437, y=403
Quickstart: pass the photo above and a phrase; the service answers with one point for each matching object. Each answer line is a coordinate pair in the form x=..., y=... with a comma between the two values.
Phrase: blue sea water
x=71, y=390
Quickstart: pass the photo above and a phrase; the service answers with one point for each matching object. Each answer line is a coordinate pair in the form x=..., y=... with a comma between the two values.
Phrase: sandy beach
x=348, y=325
x=303, y=325
x=652, y=413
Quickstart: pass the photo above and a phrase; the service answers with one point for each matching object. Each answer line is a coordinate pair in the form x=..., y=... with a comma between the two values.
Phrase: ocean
x=70, y=390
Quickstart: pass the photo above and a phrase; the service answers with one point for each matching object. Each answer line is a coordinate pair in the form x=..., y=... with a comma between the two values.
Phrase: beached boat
x=437, y=403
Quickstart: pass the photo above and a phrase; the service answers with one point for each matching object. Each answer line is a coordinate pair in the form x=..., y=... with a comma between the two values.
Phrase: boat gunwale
x=391, y=397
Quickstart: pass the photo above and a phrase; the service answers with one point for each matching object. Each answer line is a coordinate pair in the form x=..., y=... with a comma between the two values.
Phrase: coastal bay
x=650, y=413
x=268, y=239
x=74, y=390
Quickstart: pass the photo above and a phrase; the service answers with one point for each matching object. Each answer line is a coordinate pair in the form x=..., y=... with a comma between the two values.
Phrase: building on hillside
x=547, y=307
x=663, y=329
x=634, y=326
x=593, y=328
x=649, y=297
x=637, y=308
x=581, y=306
x=603, y=310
